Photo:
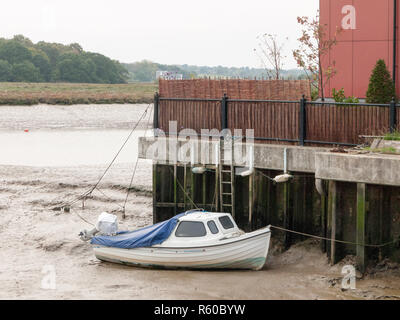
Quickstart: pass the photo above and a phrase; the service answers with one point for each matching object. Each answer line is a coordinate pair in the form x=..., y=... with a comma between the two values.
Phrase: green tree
x=71, y=69
x=5, y=71
x=14, y=52
x=42, y=62
x=26, y=72
x=381, y=88
x=56, y=62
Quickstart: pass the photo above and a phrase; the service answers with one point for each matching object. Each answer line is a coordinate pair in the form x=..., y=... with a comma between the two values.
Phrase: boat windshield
x=226, y=222
x=191, y=229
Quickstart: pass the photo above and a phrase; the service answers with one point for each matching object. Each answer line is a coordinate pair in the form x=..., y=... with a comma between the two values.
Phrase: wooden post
x=323, y=221
x=204, y=191
x=360, y=232
x=176, y=188
x=192, y=189
x=286, y=218
x=332, y=198
x=154, y=193
x=184, y=186
x=216, y=188
x=156, y=110
x=251, y=198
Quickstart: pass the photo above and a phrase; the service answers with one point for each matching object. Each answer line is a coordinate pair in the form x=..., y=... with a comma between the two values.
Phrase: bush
x=340, y=97
x=381, y=88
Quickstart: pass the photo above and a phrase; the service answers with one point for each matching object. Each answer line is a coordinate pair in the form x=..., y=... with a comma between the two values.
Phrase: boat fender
x=283, y=178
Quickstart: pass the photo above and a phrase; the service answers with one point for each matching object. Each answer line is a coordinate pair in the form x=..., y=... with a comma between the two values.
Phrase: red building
x=368, y=35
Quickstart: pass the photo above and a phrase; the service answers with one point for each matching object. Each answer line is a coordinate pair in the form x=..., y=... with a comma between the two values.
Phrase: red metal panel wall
x=358, y=49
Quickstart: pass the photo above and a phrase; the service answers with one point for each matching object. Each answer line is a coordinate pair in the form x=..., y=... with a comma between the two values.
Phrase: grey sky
x=207, y=32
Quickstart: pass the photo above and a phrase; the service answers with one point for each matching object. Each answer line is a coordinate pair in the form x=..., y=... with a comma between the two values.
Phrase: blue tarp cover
x=146, y=237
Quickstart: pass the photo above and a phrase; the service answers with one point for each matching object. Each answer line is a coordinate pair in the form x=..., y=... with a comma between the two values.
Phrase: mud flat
x=34, y=237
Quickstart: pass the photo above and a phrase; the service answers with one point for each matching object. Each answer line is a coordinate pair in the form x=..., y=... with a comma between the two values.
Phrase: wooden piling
x=193, y=189
x=184, y=186
x=360, y=232
x=204, y=189
x=332, y=199
x=286, y=215
x=154, y=193
x=251, y=198
x=176, y=188
x=216, y=188
x=324, y=214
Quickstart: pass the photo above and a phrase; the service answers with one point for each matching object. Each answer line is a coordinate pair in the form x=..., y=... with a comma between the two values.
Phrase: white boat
x=199, y=240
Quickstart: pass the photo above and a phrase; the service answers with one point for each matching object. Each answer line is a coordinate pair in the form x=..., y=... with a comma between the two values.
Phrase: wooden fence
x=279, y=121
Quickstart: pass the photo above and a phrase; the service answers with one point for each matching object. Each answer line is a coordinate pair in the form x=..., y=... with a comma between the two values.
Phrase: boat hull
x=248, y=251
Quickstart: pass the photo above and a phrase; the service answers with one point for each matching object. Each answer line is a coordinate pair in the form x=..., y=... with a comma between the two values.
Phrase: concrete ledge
x=366, y=168
x=266, y=156
x=370, y=169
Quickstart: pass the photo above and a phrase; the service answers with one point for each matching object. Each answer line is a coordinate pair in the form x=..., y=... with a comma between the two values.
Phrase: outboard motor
x=107, y=225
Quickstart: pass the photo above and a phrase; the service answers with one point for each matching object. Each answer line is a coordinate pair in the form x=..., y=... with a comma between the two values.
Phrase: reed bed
x=70, y=93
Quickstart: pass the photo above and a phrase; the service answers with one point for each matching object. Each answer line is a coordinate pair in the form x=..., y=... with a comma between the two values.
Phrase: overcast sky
x=201, y=32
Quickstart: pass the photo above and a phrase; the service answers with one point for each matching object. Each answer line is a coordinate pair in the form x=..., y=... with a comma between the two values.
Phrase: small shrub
x=340, y=97
x=381, y=88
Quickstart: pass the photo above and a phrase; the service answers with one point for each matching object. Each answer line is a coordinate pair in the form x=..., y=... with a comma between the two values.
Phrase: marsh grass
x=15, y=93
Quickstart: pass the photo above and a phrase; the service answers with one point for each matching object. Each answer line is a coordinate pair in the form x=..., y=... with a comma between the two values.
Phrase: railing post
x=302, y=121
x=393, y=120
x=156, y=106
x=224, y=112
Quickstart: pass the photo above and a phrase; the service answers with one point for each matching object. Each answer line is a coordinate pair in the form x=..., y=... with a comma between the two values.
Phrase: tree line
x=145, y=71
x=23, y=61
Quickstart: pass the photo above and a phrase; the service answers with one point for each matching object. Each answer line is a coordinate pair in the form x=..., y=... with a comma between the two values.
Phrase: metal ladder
x=227, y=181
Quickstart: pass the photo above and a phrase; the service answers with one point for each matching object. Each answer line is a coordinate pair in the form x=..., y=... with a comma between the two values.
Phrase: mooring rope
x=334, y=240
x=122, y=147
x=82, y=218
x=90, y=191
x=136, y=164
x=184, y=191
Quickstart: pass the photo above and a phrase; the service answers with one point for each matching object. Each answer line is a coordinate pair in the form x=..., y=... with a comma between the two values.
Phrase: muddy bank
x=34, y=237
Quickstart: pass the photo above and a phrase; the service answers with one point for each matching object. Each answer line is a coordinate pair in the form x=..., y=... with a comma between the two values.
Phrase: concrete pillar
x=360, y=230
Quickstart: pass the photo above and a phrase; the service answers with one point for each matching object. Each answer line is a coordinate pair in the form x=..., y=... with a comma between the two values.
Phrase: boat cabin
x=203, y=228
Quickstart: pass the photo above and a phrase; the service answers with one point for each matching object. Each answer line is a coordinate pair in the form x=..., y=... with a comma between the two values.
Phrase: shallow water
x=50, y=148
x=76, y=135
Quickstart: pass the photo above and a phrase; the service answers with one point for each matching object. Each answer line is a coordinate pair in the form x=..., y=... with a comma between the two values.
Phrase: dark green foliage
x=381, y=88
x=5, y=71
x=14, y=52
x=42, y=62
x=54, y=62
x=26, y=72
